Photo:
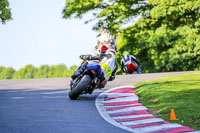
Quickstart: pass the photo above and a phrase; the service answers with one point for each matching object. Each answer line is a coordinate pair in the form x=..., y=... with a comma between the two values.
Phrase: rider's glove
x=89, y=57
x=86, y=57
x=82, y=57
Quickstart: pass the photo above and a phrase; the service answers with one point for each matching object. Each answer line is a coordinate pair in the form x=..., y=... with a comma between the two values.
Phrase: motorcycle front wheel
x=80, y=87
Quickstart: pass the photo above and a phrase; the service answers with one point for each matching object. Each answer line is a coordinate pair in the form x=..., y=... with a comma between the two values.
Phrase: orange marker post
x=172, y=116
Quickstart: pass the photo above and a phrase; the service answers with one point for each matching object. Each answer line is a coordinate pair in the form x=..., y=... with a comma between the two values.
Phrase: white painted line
x=156, y=128
x=125, y=99
x=128, y=109
x=142, y=121
x=132, y=116
x=122, y=105
x=113, y=95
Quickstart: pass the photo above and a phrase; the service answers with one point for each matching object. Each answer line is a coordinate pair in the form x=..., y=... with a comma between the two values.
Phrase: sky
x=39, y=35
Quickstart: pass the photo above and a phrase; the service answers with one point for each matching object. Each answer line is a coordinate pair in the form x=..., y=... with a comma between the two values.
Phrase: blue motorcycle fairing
x=96, y=68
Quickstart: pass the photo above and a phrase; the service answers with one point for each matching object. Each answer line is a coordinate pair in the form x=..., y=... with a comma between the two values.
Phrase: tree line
x=165, y=38
x=44, y=71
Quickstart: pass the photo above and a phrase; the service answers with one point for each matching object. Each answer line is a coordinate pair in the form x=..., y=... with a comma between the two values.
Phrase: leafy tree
x=59, y=70
x=67, y=73
x=6, y=73
x=5, y=11
x=51, y=71
x=167, y=38
x=110, y=14
x=1, y=68
x=42, y=72
x=25, y=73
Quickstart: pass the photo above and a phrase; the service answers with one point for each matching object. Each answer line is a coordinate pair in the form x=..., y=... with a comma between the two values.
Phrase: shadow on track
x=49, y=110
x=30, y=94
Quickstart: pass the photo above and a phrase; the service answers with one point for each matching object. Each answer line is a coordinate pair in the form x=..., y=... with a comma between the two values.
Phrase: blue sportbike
x=87, y=77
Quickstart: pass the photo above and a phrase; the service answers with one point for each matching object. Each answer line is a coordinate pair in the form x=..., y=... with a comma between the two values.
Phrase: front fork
x=75, y=81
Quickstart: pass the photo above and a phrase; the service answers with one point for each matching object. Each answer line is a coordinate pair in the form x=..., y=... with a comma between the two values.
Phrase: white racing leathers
x=107, y=64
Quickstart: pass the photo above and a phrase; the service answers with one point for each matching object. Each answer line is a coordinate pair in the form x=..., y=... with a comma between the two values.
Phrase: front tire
x=80, y=87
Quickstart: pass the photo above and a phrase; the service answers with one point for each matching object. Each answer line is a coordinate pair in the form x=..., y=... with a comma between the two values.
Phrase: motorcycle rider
x=108, y=64
x=127, y=59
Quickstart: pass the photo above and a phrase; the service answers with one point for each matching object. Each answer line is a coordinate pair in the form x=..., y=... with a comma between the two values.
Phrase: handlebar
x=99, y=57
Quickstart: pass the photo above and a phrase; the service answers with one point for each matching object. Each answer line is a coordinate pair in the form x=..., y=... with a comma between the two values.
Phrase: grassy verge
x=181, y=93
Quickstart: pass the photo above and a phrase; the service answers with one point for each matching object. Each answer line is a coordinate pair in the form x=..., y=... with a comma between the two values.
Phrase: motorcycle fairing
x=96, y=68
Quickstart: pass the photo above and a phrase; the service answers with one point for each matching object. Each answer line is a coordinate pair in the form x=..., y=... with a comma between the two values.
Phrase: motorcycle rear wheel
x=80, y=87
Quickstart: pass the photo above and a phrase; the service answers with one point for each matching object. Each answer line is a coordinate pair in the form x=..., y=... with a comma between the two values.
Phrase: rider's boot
x=112, y=77
x=139, y=69
x=103, y=81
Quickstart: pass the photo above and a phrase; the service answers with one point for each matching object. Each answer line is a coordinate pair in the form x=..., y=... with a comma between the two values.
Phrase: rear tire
x=80, y=87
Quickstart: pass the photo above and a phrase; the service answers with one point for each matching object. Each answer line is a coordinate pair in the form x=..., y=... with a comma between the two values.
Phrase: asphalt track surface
x=43, y=106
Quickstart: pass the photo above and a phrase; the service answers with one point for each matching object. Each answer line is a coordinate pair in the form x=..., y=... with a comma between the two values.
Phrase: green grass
x=181, y=93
